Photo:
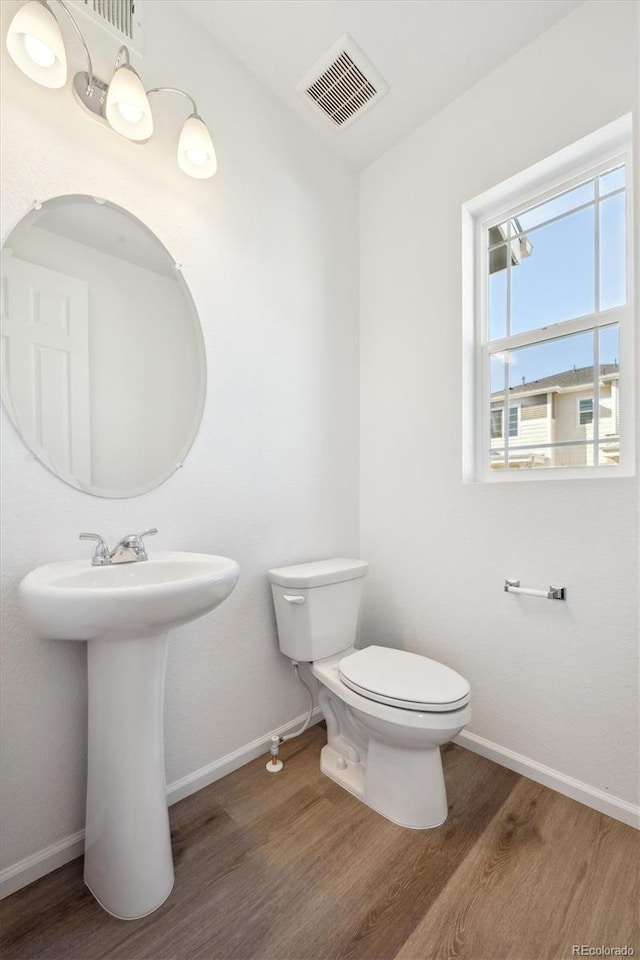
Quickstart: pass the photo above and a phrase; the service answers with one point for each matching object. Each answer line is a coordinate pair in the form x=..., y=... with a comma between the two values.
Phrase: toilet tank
x=317, y=606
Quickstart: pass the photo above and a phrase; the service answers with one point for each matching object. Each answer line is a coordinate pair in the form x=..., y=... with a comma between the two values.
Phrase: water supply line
x=275, y=764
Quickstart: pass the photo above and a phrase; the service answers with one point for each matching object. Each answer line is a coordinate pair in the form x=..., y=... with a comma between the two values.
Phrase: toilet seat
x=402, y=679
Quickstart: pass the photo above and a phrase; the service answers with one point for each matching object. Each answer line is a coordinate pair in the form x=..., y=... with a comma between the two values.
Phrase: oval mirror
x=103, y=361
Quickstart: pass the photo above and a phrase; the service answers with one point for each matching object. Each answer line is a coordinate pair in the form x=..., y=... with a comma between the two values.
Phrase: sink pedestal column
x=128, y=864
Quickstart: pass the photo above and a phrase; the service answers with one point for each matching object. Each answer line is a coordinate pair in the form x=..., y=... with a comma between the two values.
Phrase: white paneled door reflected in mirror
x=103, y=361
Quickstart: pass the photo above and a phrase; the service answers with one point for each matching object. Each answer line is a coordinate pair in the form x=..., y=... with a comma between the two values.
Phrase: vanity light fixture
x=35, y=44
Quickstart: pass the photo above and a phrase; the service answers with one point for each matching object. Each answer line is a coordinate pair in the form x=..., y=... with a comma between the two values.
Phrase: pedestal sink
x=124, y=612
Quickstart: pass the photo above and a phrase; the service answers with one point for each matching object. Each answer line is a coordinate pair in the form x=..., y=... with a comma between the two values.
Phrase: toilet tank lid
x=318, y=572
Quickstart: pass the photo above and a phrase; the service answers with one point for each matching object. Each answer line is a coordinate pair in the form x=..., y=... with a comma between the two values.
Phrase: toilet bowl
x=387, y=711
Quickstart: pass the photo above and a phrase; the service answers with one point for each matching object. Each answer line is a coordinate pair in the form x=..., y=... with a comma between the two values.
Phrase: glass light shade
x=127, y=108
x=35, y=45
x=196, y=155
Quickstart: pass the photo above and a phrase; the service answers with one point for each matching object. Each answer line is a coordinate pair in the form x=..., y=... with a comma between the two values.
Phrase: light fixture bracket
x=92, y=96
x=91, y=93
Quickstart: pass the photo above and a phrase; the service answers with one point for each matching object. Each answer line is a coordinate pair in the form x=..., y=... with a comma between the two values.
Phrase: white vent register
x=343, y=84
x=120, y=18
x=118, y=13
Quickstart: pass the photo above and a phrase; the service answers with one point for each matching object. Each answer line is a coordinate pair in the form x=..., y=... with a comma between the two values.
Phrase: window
x=497, y=419
x=496, y=423
x=585, y=412
x=552, y=320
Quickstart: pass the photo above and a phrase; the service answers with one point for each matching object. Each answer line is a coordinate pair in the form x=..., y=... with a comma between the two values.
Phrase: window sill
x=555, y=473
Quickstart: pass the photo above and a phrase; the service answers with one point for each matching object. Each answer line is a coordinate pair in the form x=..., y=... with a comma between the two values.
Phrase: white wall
x=555, y=682
x=269, y=250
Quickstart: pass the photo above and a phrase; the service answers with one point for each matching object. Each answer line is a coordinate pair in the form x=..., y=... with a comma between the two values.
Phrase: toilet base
x=347, y=773
x=376, y=783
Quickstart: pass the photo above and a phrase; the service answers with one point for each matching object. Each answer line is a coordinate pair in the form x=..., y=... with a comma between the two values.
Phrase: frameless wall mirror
x=103, y=361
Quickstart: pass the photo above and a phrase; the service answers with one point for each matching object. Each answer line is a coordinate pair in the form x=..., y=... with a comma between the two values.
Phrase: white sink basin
x=73, y=600
x=124, y=612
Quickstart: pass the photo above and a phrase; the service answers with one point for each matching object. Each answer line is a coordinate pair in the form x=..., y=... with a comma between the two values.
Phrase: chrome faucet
x=128, y=550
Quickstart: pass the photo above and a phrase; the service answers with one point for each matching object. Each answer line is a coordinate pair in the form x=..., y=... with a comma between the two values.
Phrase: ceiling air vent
x=344, y=83
x=120, y=18
x=117, y=13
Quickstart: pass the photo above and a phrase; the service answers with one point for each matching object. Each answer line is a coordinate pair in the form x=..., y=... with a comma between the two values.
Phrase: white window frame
x=569, y=168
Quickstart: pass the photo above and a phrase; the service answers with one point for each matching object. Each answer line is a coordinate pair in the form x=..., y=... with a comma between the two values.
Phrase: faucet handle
x=147, y=533
x=101, y=554
x=133, y=541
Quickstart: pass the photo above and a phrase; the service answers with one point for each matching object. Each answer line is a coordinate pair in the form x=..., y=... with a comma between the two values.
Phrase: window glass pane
x=498, y=361
x=557, y=206
x=613, y=252
x=555, y=282
x=497, y=381
x=498, y=292
x=609, y=425
x=541, y=363
x=547, y=381
x=609, y=346
x=580, y=455
x=535, y=458
x=609, y=452
x=524, y=459
x=611, y=181
x=496, y=458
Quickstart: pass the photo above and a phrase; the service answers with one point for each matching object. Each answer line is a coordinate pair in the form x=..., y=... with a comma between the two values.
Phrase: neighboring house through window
x=551, y=320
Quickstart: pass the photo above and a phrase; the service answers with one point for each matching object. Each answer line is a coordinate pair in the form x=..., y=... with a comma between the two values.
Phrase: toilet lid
x=403, y=679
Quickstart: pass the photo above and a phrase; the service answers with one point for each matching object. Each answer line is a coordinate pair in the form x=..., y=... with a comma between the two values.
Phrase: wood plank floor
x=291, y=867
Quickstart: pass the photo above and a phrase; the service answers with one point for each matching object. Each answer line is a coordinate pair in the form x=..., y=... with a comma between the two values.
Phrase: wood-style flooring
x=291, y=867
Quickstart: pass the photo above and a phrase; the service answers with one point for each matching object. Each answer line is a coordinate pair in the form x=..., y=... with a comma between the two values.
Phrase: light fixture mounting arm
x=90, y=76
x=181, y=93
x=127, y=59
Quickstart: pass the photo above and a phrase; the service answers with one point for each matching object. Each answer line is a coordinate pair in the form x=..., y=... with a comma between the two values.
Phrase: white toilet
x=387, y=711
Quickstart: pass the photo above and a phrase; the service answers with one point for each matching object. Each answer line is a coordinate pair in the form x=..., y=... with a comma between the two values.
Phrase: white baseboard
x=193, y=782
x=56, y=855
x=44, y=861
x=598, y=800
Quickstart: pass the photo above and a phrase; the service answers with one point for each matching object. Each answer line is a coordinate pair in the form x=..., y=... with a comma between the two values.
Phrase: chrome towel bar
x=553, y=593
